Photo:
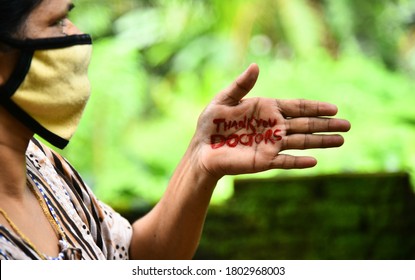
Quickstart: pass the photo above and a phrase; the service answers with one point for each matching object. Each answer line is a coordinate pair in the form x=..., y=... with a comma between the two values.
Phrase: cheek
x=38, y=32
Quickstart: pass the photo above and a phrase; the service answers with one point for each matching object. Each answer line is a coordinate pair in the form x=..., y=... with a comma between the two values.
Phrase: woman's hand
x=237, y=136
x=233, y=136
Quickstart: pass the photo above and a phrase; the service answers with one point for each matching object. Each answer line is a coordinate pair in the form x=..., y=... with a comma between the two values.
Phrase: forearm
x=172, y=229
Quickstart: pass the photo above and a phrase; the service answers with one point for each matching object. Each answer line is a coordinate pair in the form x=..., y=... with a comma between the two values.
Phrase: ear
x=8, y=61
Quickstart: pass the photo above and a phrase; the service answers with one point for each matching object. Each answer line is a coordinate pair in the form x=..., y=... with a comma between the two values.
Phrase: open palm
x=237, y=135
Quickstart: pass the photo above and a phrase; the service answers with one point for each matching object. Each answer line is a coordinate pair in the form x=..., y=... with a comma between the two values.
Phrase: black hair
x=13, y=14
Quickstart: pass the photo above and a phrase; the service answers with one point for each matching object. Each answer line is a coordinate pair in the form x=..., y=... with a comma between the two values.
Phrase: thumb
x=233, y=94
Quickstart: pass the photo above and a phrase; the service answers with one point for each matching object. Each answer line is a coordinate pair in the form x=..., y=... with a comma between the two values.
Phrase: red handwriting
x=245, y=123
x=270, y=136
x=251, y=136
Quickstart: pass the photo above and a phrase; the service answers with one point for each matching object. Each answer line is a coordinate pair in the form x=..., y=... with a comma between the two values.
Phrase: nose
x=70, y=28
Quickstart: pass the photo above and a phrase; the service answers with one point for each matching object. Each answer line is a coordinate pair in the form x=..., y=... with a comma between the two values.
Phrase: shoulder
x=59, y=173
x=59, y=163
x=110, y=231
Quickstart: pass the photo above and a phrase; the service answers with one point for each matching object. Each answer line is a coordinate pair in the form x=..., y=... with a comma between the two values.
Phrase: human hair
x=13, y=14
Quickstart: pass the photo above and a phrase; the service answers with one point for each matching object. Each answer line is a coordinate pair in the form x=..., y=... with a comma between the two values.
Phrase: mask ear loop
x=5, y=48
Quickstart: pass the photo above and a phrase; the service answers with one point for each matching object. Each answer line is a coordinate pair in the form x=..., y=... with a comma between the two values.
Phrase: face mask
x=49, y=88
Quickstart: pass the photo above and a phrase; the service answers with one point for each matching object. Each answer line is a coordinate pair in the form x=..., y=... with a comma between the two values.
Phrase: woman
x=47, y=212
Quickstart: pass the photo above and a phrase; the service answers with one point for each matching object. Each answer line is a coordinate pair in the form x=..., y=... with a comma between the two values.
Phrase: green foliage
x=156, y=64
x=335, y=217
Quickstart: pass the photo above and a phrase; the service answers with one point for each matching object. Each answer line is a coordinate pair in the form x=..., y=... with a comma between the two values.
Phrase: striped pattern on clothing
x=93, y=230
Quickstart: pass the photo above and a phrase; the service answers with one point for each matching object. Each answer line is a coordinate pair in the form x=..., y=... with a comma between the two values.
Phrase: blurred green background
x=157, y=63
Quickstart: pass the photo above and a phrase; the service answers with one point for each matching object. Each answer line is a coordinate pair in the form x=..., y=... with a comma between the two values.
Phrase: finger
x=311, y=141
x=305, y=108
x=233, y=94
x=283, y=161
x=313, y=125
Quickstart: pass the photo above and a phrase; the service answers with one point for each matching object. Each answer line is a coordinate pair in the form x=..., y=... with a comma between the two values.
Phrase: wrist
x=193, y=167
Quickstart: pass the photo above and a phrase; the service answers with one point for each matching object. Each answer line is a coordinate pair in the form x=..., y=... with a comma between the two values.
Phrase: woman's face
x=49, y=19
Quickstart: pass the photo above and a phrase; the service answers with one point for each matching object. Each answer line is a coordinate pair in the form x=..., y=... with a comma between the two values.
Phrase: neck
x=14, y=139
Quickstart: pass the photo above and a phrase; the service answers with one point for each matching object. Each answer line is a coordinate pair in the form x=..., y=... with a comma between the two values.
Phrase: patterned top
x=93, y=230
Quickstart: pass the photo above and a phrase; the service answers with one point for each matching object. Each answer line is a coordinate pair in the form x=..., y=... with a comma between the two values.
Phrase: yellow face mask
x=49, y=88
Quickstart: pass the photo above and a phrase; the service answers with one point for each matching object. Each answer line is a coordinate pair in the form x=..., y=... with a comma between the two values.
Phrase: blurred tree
x=157, y=63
